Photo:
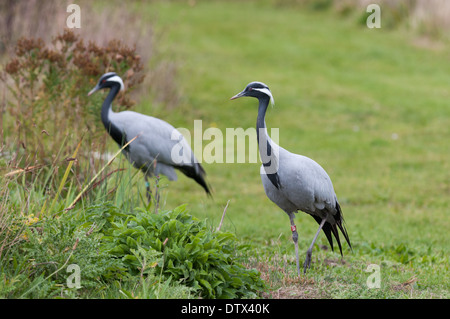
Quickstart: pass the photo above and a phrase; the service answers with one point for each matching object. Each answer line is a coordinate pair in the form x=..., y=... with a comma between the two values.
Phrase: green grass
x=368, y=105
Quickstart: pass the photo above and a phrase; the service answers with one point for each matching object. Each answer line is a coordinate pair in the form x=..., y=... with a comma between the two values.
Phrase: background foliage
x=370, y=105
x=47, y=96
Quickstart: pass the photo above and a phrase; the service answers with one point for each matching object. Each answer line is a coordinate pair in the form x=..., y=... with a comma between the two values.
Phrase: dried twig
x=223, y=215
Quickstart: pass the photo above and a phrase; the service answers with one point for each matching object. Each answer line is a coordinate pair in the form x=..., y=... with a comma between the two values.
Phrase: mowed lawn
x=372, y=106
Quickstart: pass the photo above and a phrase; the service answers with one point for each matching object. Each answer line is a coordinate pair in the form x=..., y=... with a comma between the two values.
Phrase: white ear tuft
x=268, y=93
x=117, y=79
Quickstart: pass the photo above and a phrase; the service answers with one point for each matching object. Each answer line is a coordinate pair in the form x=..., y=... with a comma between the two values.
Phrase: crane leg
x=295, y=239
x=307, y=263
x=156, y=196
x=148, y=190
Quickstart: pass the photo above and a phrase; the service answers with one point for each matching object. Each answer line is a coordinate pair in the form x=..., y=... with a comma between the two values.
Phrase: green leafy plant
x=146, y=255
x=188, y=251
x=36, y=266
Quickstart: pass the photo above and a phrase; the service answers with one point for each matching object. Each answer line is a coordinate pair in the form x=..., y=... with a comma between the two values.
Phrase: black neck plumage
x=268, y=157
x=117, y=135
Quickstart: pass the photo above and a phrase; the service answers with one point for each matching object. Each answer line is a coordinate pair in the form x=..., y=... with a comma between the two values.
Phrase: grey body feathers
x=148, y=146
x=304, y=186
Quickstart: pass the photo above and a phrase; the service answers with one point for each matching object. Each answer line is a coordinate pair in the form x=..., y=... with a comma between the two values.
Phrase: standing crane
x=153, y=150
x=295, y=182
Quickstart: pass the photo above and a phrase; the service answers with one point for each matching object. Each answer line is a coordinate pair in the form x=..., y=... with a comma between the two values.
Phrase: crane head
x=256, y=89
x=108, y=80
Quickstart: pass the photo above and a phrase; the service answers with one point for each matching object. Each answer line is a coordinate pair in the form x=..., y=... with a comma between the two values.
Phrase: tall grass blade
x=66, y=174
x=98, y=174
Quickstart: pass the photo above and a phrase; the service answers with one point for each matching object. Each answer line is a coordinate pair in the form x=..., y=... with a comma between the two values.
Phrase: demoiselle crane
x=295, y=182
x=153, y=150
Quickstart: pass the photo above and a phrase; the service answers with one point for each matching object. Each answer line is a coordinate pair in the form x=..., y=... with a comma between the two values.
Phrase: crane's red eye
x=103, y=81
x=250, y=89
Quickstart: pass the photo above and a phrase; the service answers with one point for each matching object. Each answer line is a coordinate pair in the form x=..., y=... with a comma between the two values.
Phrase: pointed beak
x=93, y=90
x=241, y=94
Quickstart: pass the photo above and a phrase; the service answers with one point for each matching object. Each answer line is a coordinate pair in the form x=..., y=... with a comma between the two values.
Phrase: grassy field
x=369, y=105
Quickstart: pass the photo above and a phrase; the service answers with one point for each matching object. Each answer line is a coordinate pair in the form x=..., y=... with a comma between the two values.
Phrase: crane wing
x=305, y=183
x=159, y=140
x=309, y=187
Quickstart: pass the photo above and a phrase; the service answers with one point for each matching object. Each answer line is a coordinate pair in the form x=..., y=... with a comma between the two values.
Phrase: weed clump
x=182, y=249
x=46, y=108
x=134, y=254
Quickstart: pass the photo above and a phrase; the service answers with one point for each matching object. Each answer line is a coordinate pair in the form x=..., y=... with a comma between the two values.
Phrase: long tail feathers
x=330, y=229
x=341, y=226
x=198, y=174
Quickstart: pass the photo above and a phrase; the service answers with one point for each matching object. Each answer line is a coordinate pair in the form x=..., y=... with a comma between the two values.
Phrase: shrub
x=185, y=250
x=151, y=255
x=47, y=109
x=36, y=266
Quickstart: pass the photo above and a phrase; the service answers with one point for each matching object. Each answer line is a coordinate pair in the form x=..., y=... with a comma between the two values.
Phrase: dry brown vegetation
x=47, y=85
x=100, y=24
x=47, y=70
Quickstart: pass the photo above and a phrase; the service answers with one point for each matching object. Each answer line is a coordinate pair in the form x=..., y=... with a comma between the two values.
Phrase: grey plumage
x=295, y=182
x=153, y=150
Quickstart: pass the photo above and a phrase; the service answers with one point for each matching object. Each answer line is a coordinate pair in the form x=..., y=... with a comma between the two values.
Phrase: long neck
x=107, y=104
x=116, y=133
x=268, y=150
x=260, y=121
